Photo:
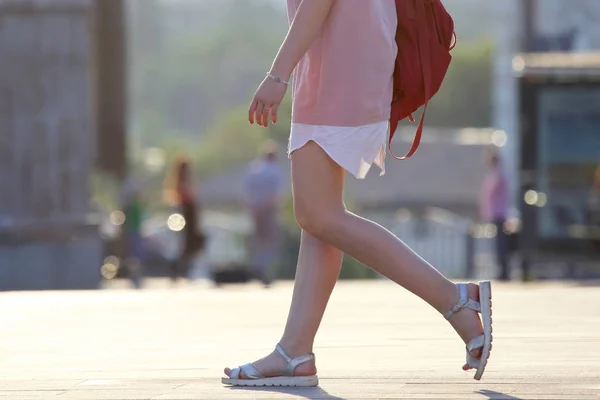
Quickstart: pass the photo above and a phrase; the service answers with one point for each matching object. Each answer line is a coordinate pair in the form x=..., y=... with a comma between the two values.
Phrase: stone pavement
x=376, y=342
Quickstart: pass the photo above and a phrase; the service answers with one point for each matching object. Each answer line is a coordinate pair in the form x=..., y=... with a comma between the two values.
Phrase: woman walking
x=343, y=55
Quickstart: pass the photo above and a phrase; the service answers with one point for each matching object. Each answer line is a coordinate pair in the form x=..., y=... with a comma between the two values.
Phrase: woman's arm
x=307, y=24
x=305, y=27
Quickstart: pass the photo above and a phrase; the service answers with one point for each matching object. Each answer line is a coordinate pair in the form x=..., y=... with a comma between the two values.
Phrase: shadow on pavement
x=306, y=392
x=492, y=395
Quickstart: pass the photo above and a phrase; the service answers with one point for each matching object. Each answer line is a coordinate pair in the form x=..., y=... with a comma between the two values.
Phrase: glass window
x=569, y=154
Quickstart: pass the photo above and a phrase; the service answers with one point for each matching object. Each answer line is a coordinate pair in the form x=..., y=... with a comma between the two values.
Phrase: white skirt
x=354, y=148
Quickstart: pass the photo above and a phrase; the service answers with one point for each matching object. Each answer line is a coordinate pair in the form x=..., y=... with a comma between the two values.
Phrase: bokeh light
x=531, y=197
x=499, y=138
x=512, y=226
x=117, y=217
x=176, y=222
x=109, y=271
x=490, y=231
x=518, y=64
x=541, y=200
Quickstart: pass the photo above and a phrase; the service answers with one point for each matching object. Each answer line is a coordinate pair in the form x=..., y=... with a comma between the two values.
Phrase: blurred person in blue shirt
x=262, y=189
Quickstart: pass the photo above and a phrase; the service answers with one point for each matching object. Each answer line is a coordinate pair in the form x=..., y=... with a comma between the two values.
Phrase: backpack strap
x=425, y=57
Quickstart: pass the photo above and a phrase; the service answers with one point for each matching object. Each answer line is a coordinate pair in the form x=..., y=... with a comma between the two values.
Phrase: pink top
x=345, y=78
x=494, y=196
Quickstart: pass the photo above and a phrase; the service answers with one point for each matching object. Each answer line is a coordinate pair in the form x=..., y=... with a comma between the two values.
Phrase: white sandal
x=255, y=378
x=484, y=306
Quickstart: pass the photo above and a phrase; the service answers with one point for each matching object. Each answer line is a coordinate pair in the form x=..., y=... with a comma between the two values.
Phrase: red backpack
x=424, y=37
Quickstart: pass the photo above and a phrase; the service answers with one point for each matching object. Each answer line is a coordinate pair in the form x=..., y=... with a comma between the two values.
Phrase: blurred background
x=125, y=152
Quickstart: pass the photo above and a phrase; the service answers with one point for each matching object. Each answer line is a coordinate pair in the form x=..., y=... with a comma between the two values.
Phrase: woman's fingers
x=274, y=110
x=265, y=115
x=252, y=111
x=259, y=111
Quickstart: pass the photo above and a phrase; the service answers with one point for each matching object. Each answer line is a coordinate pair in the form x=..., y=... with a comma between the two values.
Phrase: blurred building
x=61, y=116
x=548, y=101
x=525, y=26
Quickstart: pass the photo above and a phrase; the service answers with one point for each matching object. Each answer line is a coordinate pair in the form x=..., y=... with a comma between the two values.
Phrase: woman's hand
x=266, y=102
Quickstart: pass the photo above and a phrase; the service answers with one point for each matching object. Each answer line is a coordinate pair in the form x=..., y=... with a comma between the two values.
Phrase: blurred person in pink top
x=494, y=208
x=342, y=54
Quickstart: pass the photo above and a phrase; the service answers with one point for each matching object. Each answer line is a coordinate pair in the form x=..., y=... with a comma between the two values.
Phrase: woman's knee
x=309, y=219
x=317, y=221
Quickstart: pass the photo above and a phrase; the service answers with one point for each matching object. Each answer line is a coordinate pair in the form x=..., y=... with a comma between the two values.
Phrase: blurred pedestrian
x=262, y=187
x=344, y=55
x=182, y=192
x=133, y=209
x=494, y=209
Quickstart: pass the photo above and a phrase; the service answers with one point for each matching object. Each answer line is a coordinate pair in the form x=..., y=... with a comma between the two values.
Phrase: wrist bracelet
x=277, y=79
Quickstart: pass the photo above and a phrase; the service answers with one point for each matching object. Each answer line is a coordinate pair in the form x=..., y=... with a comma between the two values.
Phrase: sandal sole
x=282, y=381
x=485, y=299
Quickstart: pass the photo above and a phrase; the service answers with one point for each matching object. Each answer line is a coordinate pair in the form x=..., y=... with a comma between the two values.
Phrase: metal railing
x=453, y=244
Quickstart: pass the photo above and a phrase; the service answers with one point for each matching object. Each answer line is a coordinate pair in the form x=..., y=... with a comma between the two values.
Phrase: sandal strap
x=292, y=363
x=477, y=343
x=235, y=373
x=472, y=361
x=464, y=301
x=248, y=369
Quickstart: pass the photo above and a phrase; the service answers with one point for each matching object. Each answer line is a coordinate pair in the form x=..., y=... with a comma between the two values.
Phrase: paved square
x=377, y=342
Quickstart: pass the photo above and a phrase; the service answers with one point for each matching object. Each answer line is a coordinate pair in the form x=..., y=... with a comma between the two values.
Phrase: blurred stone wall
x=47, y=146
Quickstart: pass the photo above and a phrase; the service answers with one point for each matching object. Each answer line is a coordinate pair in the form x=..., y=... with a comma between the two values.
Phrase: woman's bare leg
x=373, y=245
x=318, y=268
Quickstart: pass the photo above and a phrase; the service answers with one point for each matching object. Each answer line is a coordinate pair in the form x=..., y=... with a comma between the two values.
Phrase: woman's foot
x=467, y=322
x=274, y=365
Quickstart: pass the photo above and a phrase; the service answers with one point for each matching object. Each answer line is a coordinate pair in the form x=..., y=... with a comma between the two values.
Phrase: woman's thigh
x=317, y=183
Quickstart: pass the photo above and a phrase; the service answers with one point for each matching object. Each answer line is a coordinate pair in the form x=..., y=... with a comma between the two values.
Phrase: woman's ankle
x=447, y=298
x=296, y=347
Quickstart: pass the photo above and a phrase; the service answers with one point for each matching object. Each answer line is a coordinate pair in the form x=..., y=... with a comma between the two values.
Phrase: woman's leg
x=370, y=243
x=319, y=263
x=318, y=268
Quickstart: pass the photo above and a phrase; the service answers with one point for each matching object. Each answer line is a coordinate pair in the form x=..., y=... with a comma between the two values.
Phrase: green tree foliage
x=465, y=97
x=194, y=61
x=231, y=140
